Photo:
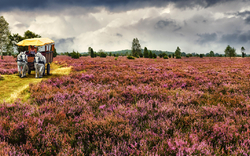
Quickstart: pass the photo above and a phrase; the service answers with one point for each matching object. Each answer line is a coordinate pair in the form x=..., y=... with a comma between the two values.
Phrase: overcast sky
x=194, y=25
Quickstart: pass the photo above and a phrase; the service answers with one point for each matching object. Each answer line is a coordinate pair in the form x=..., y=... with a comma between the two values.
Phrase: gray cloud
x=119, y=35
x=205, y=38
x=64, y=44
x=20, y=25
x=111, y=25
x=236, y=38
x=244, y=13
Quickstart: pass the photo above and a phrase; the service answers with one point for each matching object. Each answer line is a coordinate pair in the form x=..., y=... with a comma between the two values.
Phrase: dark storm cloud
x=236, y=38
x=163, y=23
x=115, y=5
x=205, y=38
x=247, y=20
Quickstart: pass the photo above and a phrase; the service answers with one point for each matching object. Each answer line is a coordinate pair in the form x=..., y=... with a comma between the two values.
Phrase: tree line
x=137, y=52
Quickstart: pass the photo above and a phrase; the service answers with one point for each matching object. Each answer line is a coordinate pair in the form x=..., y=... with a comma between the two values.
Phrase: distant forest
x=157, y=52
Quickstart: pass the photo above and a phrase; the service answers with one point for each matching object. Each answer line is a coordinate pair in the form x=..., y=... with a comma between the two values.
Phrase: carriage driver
x=32, y=50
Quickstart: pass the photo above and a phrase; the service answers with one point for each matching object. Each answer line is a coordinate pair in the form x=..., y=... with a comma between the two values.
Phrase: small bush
x=102, y=54
x=165, y=57
x=130, y=57
x=75, y=55
x=154, y=55
x=178, y=57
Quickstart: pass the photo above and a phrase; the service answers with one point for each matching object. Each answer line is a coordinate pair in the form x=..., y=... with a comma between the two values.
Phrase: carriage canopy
x=35, y=42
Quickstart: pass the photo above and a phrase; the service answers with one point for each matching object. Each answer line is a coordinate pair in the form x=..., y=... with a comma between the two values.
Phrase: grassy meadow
x=117, y=106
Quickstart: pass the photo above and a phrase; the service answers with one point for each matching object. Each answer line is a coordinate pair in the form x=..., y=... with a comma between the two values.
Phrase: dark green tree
x=150, y=54
x=91, y=52
x=161, y=55
x=55, y=53
x=145, y=52
x=243, y=52
x=154, y=55
x=178, y=53
x=211, y=54
x=29, y=34
x=75, y=55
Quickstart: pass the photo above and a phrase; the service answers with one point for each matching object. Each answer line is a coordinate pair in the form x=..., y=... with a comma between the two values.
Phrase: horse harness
x=24, y=61
x=39, y=61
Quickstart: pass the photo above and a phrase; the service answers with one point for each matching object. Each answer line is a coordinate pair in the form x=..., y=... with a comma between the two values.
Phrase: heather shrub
x=8, y=65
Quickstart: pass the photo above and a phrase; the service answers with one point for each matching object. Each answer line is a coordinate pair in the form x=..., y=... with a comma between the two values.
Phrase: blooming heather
x=190, y=106
x=8, y=65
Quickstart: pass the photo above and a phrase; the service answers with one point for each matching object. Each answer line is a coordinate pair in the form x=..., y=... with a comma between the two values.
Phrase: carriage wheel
x=48, y=69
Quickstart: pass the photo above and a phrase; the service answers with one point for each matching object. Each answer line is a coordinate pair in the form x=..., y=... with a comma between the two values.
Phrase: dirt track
x=14, y=87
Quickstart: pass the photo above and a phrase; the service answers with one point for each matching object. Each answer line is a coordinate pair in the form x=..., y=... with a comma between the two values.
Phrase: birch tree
x=230, y=52
x=136, y=48
x=4, y=36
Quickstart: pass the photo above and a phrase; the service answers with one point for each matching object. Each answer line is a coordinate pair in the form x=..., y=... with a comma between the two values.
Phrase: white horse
x=39, y=63
x=22, y=64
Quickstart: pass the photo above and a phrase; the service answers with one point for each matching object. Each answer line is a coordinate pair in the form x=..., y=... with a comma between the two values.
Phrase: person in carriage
x=32, y=51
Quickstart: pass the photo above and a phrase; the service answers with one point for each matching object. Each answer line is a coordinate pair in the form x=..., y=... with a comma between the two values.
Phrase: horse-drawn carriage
x=48, y=49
